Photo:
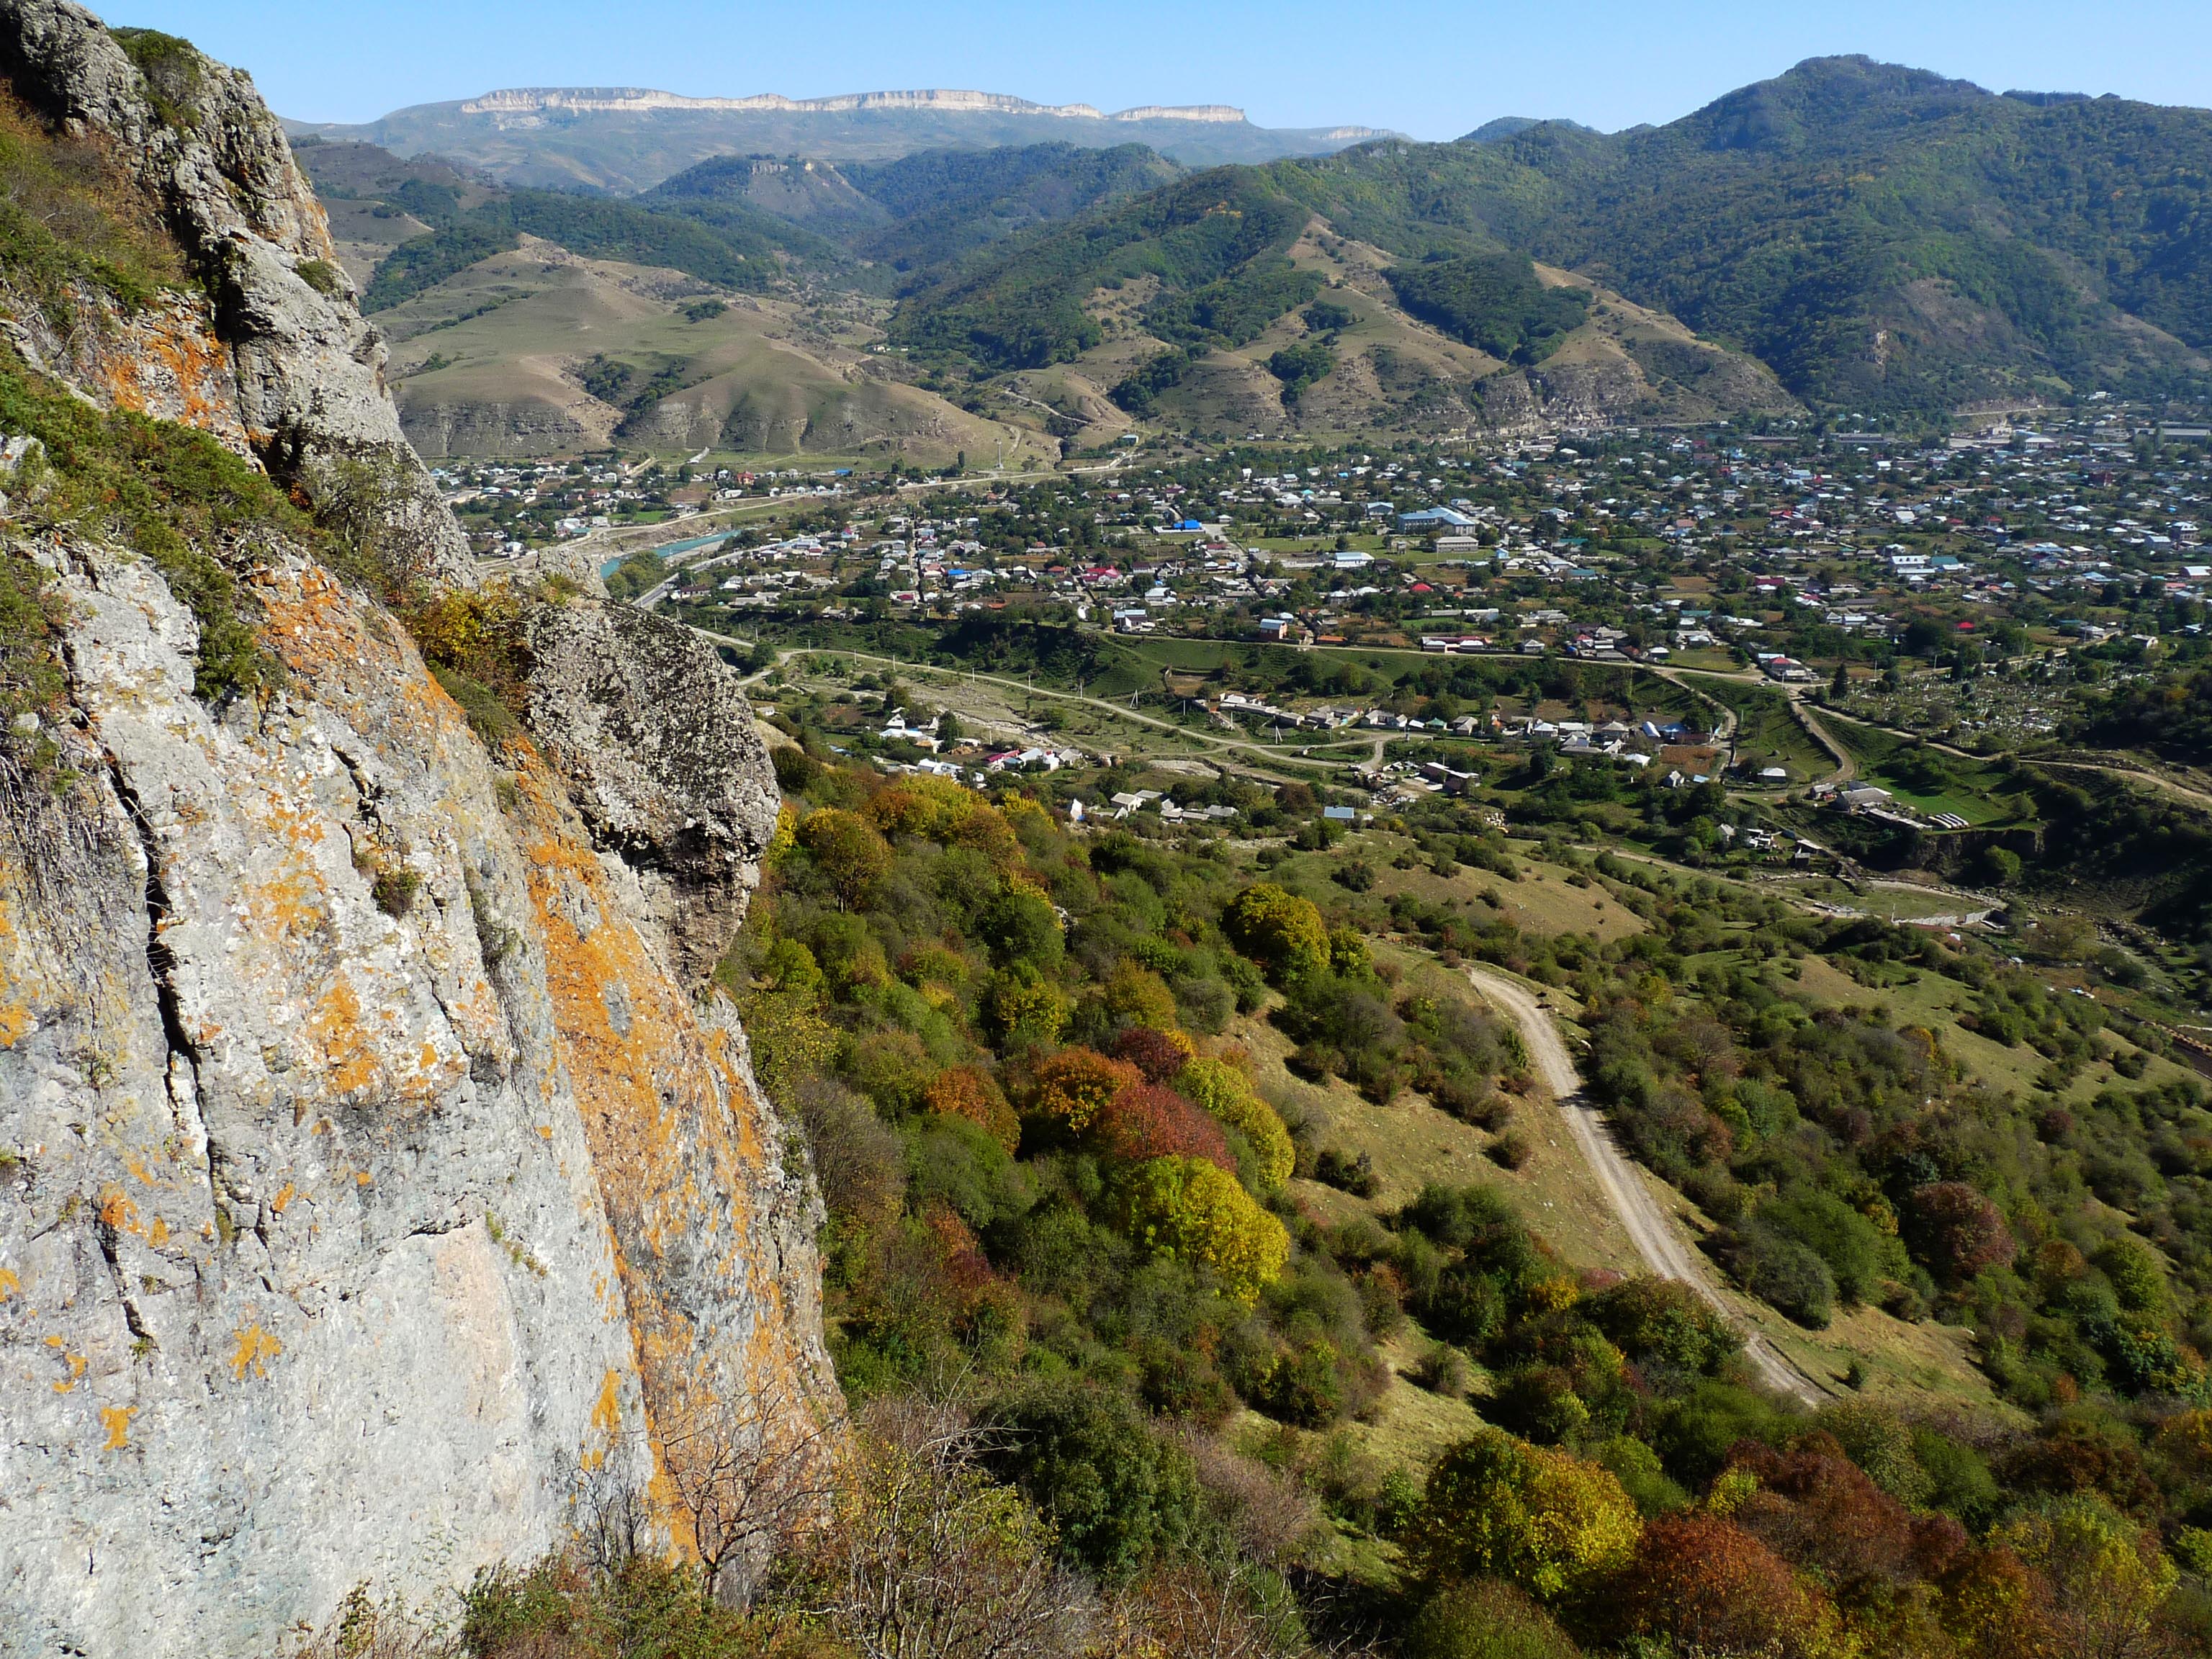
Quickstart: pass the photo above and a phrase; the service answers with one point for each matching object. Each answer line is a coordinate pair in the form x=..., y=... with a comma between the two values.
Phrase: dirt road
x=1662, y=1248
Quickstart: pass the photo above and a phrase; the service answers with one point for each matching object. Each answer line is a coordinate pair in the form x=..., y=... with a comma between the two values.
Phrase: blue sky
x=1426, y=67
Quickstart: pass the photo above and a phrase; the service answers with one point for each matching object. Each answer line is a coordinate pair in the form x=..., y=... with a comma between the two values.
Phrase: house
x=1434, y=518
x=1337, y=814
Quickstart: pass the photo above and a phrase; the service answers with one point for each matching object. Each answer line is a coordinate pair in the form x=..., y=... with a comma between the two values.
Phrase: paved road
x=1662, y=1248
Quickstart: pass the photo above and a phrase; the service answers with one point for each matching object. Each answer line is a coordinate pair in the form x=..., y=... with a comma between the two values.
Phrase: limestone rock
x=374, y=1186
x=308, y=369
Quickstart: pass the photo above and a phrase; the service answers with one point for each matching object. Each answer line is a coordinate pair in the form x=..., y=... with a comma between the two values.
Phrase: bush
x=1956, y=1232
x=1228, y=1095
x=1282, y=933
x=1147, y=1121
x=1073, y=1086
x=1486, y=1619
x=1347, y=1172
x=955, y=1161
x=859, y=1163
x=1118, y=1495
x=1497, y=1507
x=1193, y=1211
x=1707, y=1586
x=965, y=1092
x=1785, y=1274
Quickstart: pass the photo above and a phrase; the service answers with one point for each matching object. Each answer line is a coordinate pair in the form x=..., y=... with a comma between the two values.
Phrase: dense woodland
x=1064, y=1242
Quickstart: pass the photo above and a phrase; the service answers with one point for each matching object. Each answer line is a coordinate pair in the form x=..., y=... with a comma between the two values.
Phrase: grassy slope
x=511, y=329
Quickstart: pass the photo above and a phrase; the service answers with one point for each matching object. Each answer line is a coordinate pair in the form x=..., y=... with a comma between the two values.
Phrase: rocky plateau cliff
x=379, y=1179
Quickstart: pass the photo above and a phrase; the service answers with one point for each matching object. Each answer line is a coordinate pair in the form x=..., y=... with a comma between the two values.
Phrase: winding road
x=1662, y=1248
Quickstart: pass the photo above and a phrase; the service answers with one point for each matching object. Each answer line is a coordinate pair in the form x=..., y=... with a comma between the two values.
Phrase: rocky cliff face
x=374, y=1182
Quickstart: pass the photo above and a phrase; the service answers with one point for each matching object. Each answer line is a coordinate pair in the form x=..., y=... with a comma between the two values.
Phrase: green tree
x=1284, y=933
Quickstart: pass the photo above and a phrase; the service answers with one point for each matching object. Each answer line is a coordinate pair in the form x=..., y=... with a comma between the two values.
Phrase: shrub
x=1707, y=1586
x=858, y=1162
x=1159, y=1054
x=1073, y=1086
x=1024, y=1009
x=1117, y=1495
x=1486, y=1619
x=1135, y=995
x=970, y=1173
x=1148, y=1122
x=852, y=857
x=1283, y=932
x=1228, y=1095
x=1193, y=1211
x=1784, y=1273
x=1020, y=926
x=1663, y=1320
x=1500, y=1508
x=1956, y=1230
x=2108, y=1577
x=966, y=1092
x=1347, y=1172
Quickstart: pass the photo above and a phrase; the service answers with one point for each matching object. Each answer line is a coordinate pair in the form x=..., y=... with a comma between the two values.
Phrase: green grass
x=68, y=214
x=1767, y=733
x=168, y=491
x=1930, y=781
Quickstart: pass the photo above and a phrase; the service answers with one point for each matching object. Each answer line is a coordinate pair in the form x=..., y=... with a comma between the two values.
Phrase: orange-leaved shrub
x=967, y=1091
x=1709, y=1586
x=1073, y=1085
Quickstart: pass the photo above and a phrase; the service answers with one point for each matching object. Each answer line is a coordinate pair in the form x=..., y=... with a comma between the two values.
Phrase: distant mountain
x=1881, y=236
x=444, y=222
x=925, y=209
x=627, y=139
x=1512, y=126
x=1225, y=303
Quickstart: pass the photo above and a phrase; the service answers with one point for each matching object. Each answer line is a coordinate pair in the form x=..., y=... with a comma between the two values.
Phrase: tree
x=1150, y=1121
x=1956, y=1230
x=1135, y=995
x=1281, y=932
x=1073, y=1086
x=1486, y=1619
x=1227, y=1094
x=1194, y=1212
x=849, y=852
x=1711, y=1587
x=964, y=1091
x=748, y=1470
x=1497, y=1507
x=2108, y=1578
x=929, y=1559
x=1023, y=1007
x=1116, y=1494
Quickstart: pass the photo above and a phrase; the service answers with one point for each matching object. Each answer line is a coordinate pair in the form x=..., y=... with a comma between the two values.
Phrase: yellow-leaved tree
x=1281, y=932
x=1227, y=1094
x=1497, y=1507
x=1194, y=1212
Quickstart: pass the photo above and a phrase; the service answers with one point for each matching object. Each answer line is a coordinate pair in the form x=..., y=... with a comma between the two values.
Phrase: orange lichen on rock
x=675, y=1132
x=255, y=1348
x=116, y=1420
